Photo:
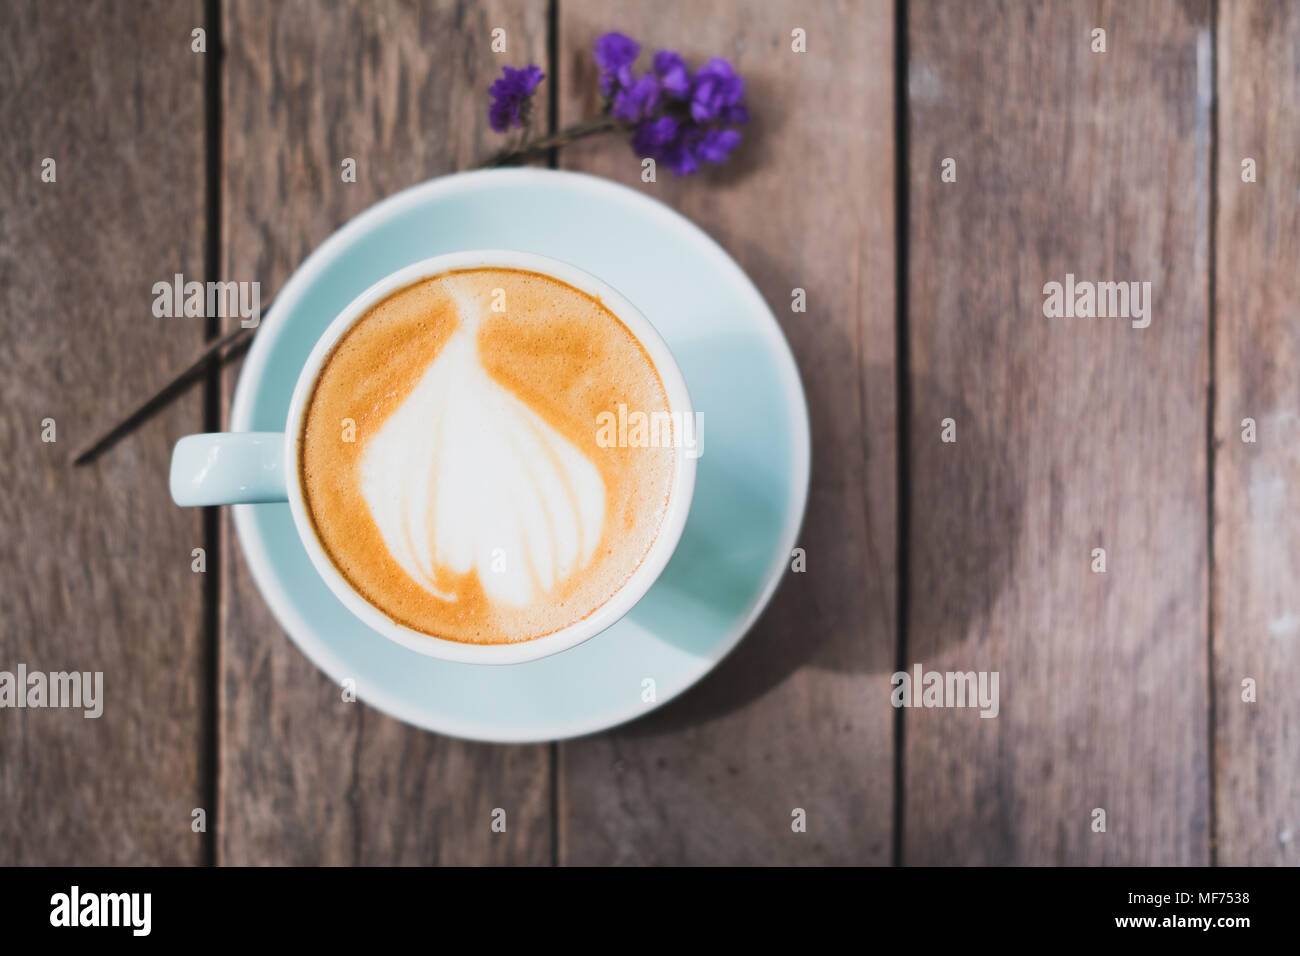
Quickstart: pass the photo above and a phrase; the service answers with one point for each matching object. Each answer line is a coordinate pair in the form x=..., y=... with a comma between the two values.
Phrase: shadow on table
x=966, y=503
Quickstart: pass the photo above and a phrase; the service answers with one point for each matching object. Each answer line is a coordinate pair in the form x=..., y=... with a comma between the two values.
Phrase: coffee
x=452, y=462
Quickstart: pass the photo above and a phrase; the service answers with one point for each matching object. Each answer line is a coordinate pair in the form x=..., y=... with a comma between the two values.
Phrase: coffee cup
x=261, y=467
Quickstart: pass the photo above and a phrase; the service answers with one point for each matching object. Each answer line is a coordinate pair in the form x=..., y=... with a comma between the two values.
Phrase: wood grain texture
x=1257, y=486
x=798, y=715
x=1072, y=433
x=95, y=562
x=401, y=88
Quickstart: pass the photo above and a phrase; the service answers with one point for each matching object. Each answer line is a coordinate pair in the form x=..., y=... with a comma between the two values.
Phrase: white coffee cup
x=257, y=467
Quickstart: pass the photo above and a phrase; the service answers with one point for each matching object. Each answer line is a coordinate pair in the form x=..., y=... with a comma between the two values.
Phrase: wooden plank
x=401, y=87
x=95, y=562
x=1257, y=485
x=798, y=715
x=1072, y=433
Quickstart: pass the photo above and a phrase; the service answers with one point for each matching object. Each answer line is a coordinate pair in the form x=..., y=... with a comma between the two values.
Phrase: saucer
x=751, y=484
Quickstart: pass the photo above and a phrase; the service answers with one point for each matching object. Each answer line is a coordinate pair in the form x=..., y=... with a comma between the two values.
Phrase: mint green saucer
x=751, y=486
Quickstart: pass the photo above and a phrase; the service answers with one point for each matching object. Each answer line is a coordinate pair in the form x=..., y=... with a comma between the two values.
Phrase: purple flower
x=715, y=145
x=680, y=154
x=695, y=118
x=615, y=54
x=654, y=136
x=636, y=102
x=678, y=118
x=681, y=144
x=673, y=77
x=718, y=94
x=512, y=96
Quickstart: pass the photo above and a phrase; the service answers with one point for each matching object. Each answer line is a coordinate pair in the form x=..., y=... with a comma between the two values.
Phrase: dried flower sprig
x=674, y=116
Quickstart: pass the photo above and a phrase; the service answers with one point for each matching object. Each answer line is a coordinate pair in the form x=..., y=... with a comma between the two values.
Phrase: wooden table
x=1121, y=691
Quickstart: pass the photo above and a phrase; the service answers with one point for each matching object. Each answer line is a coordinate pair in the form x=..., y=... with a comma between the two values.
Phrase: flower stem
x=529, y=148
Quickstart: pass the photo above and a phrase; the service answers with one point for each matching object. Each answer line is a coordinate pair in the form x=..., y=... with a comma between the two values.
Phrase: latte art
x=465, y=476
x=450, y=461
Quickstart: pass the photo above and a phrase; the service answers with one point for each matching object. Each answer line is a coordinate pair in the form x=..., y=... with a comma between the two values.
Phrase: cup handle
x=229, y=468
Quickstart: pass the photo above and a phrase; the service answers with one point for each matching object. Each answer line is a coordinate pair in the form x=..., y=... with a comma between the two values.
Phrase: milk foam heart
x=450, y=461
x=465, y=476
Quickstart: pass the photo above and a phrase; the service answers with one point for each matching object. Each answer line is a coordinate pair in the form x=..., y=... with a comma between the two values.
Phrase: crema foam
x=451, y=464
